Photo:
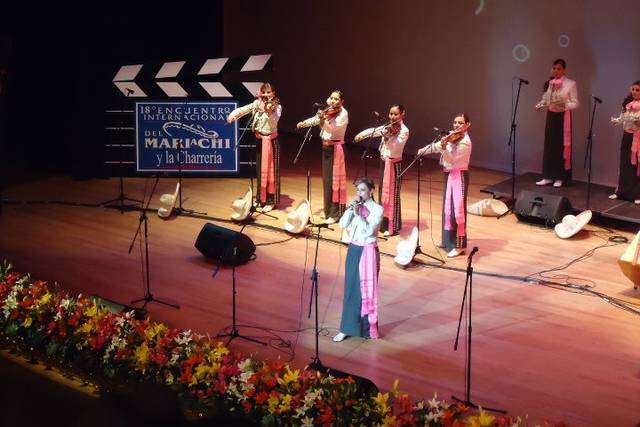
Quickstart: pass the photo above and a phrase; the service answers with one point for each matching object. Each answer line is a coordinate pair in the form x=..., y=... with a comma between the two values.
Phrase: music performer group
x=365, y=218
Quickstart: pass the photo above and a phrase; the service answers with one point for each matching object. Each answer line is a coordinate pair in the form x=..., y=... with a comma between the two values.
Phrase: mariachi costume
x=560, y=98
x=628, y=187
x=394, y=138
x=265, y=126
x=362, y=266
x=334, y=174
x=455, y=162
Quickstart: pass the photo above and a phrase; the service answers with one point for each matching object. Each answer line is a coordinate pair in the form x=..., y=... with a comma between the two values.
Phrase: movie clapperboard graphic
x=169, y=117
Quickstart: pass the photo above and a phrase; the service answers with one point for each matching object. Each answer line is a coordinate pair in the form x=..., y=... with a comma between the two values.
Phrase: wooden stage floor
x=562, y=354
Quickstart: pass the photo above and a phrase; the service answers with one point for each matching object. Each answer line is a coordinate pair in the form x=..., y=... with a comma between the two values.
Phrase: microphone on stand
x=595, y=98
x=473, y=252
x=319, y=105
x=523, y=80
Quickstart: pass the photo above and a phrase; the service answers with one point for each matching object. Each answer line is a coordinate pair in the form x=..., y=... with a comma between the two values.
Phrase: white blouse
x=263, y=122
x=457, y=154
x=333, y=129
x=564, y=98
x=391, y=147
x=363, y=230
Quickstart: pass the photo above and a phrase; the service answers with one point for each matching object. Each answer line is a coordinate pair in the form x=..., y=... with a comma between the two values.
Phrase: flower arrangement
x=77, y=333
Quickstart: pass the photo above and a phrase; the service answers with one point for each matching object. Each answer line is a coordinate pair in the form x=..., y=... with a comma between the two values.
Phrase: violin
x=391, y=129
x=269, y=104
x=455, y=135
x=329, y=113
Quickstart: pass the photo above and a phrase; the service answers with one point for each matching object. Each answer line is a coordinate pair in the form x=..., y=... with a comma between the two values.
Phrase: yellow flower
x=483, y=419
x=217, y=353
x=27, y=322
x=286, y=403
x=204, y=372
x=44, y=299
x=91, y=311
x=86, y=328
x=381, y=402
x=273, y=403
x=154, y=330
x=289, y=377
x=142, y=355
x=388, y=421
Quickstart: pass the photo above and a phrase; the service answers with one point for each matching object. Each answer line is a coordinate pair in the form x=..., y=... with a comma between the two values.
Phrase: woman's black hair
x=366, y=181
x=399, y=107
x=464, y=116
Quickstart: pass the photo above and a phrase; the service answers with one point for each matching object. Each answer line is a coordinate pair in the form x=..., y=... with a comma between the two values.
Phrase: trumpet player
x=266, y=111
x=455, y=153
x=333, y=122
x=628, y=187
x=559, y=98
x=394, y=136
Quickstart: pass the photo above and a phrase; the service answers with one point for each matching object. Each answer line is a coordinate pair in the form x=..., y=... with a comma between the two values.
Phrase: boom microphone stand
x=468, y=285
x=121, y=198
x=418, y=160
x=148, y=296
x=512, y=144
x=365, y=154
x=180, y=209
x=588, y=152
x=235, y=333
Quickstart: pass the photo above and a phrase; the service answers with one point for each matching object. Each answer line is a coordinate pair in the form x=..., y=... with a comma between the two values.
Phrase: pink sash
x=635, y=144
x=567, y=139
x=339, y=180
x=388, y=199
x=267, y=166
x=454, y=188
x=368, y=270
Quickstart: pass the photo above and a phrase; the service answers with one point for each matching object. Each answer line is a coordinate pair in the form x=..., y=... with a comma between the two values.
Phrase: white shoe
x=613, y=196
x=557, y=183
x=267, y=208
x=339, y=337
x=544, y=181
x=455, y=252
x=329, y=221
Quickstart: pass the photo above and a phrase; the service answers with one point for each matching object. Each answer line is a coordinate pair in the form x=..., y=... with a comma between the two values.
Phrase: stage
x=558, y=353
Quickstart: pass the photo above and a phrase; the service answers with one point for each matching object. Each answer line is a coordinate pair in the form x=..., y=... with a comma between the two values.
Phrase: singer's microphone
x=129, y=91
x=523, y=80
x=595, y=98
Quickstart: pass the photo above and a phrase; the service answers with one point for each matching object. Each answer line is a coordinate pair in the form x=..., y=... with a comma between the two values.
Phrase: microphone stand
x=588, y=152
x=307, y=137
x=148, y=296
x=122, y=197
x=316, y=363
x=512, y=144
x=418, y=160
x=235, y=333
x=468, y=285
x=180, y=209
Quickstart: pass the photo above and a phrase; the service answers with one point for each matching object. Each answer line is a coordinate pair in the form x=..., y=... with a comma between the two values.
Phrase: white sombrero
x=298, y=218
x=168, y=202
x=407, y=248
x=488, y=207
x=571, y=224
x=242, y=206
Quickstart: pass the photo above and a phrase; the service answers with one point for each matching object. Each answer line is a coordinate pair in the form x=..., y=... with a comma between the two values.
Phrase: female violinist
x=455, y=153
x=628, y=187
x=266, y=110
x=333, y=122
x=394, y=137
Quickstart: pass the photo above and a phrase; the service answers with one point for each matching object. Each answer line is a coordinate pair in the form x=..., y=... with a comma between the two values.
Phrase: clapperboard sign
x=190, y=137
x=162, y=109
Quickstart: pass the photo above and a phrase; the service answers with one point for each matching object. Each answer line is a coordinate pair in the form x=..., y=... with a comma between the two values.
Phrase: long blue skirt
x=352, y=323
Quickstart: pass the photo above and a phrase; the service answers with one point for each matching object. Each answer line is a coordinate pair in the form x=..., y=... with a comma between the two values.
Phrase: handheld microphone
x=595, y=98
x=129, y=91
x=523, y=80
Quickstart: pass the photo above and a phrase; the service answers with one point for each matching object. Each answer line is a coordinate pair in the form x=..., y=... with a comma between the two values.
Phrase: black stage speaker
x=540, y=208
x=218, y=243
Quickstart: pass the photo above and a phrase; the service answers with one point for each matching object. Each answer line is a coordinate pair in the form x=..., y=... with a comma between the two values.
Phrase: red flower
x=261, y=397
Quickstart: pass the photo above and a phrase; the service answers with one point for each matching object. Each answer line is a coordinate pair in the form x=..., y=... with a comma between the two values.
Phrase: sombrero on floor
x=407, y=248
x=571, y=224
x=168, y=202
x=488, y=207
x=242, y=206
x=297, y=219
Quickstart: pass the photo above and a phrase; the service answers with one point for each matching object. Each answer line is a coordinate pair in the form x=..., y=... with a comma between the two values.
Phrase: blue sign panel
x=188, y=136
